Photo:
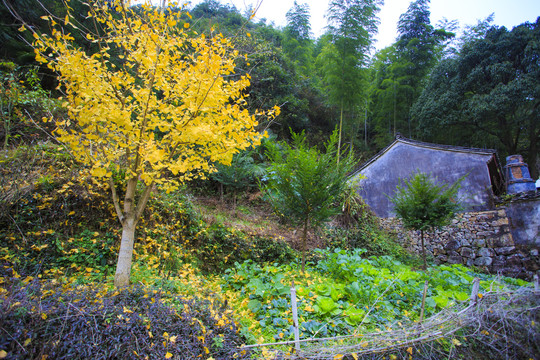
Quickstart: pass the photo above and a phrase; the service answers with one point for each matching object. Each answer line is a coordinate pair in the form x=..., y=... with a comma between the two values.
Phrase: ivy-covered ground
x=345, y=293
x=200, y=289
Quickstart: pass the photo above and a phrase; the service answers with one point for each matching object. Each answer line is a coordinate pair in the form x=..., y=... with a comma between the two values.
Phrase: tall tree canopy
x=418, y=43
x=165, y=114
x=352, y=25
x=298, y=21
x=488, y=95
x=410, y=60
x=15, y=44
x=297, y=42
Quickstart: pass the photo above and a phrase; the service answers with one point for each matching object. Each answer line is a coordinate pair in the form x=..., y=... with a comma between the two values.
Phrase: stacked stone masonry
x=480, y=239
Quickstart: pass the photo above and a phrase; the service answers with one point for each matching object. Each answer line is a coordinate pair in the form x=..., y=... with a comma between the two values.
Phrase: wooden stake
x=423, y=301
x=295, y=317
x=474, y=292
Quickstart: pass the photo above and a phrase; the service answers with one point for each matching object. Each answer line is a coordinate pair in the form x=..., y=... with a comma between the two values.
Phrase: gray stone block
x=442, y=258
x=452, y=245
x=499, y=261
x=438, y=251
x=503, y=241
x=514, y=260
x=505, y=250
x=455, y=259
x=467, y=252
x=485, y=252
x=479, y=242
x=483, y=261
x=531, y=264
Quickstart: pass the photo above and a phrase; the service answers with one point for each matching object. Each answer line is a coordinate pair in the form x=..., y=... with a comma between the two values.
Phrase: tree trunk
x=423, y=248
x=129, y=218
x=365, y=124
x=304, y=244
x=234, y=203
x=125, y=255
x=534, y=134
x=340, y=127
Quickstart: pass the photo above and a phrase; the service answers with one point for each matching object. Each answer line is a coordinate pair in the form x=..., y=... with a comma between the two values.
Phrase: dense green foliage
x=241, y=175
x=73, y=227
x=401, y=70
x=488, y=95
x=321, y=82
x=424, y=205
x=345, y=292
x=343, y=59
x=22, y=102
x=304, y=185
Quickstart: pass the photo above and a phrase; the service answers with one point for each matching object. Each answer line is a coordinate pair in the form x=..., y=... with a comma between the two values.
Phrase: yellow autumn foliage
x=156, y=102
x=167, y=105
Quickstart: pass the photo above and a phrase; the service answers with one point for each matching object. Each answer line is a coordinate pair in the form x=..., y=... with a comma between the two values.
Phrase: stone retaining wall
x=482, y=239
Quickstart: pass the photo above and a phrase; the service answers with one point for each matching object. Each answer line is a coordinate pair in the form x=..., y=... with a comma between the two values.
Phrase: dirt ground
x=254, y=216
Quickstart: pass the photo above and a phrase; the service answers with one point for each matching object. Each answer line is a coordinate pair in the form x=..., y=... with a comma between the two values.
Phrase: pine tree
x=423, y=205
x=304, y=184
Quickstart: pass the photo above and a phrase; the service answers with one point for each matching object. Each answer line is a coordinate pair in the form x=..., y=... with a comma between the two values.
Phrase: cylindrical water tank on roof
x=518, y=178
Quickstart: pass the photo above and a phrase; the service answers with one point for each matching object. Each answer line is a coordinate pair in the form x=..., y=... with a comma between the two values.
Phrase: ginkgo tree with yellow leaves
x=166, y=110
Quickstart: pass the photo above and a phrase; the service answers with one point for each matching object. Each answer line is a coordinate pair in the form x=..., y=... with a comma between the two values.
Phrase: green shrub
x=358, y=228
x=89, y=249
x=218, y=248
x=268, y=250
x=365, y=236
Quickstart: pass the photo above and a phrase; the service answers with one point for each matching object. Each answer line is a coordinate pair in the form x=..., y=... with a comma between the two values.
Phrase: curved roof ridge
x=403, y=139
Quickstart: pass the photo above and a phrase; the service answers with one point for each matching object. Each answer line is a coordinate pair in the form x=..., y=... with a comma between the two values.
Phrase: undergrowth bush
x=23, y=103
x=61, y=223
x=218, y=248
x=268, y=250
x=357, y=227
x=39, y=320
x=366, y=236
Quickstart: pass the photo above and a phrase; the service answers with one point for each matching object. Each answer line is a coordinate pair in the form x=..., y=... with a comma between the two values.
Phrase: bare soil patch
x=253, y=216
